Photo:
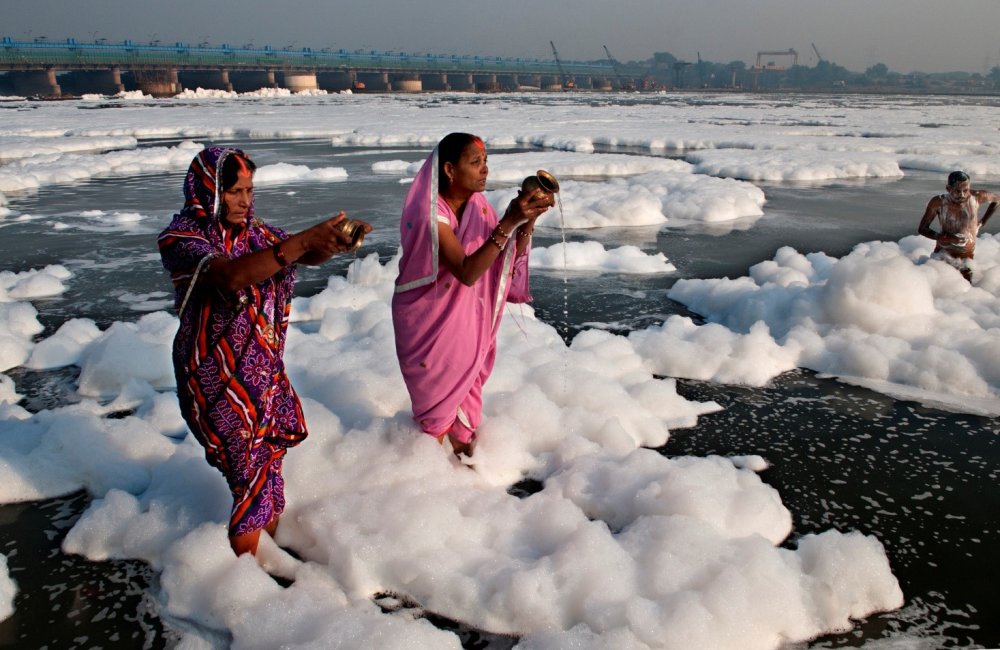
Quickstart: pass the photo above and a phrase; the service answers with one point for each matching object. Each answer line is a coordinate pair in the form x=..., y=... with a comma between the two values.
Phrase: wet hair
x=957, y=177
x=450, y=149
x=234, y=165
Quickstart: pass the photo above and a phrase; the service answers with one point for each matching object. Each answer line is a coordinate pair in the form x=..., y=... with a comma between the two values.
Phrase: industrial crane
x=679, y=67
x=623, y=83
x=771, y=66
x=819, y=57
x=567, y=83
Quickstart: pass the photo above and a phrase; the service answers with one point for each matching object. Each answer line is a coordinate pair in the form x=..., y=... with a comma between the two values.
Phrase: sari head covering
x=231, y=382
x=446, y=331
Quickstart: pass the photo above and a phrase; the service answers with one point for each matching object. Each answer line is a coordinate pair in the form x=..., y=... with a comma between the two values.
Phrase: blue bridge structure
x=43, y=68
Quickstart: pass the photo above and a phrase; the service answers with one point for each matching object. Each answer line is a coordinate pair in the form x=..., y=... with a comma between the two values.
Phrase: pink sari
x=445, y=331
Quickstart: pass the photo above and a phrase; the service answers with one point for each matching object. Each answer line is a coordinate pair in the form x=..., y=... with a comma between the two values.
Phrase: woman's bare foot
x=460, y=448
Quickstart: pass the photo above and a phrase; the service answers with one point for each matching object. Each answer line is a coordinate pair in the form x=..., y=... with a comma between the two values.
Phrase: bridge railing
x=70, y=53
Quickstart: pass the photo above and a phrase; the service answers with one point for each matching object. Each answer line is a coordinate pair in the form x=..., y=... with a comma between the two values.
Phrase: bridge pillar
x=507, y=82
x=245, y=81
x=35, y=83
x=105, y=82
x=375, y=81
x=435, y=81
x=356, y=84
x=335, y=80
x=299, y=82
x=159, y=82
x=461, y=81
x=486, y=83
x=207, y=79
x=407, y=83
x=550, y=82
x=603, y=84
x=528, y=82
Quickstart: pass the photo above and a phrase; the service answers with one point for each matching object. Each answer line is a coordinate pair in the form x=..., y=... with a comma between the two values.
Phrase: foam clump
x=8, y=589
x=884, y=316
x=620, y=544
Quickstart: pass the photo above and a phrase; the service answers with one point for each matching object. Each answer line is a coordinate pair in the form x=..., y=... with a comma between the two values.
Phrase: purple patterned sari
x=231, y=381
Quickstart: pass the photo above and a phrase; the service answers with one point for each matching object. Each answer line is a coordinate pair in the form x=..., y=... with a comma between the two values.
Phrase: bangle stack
x=279, y=257
x=493, y=237
x=521, y=232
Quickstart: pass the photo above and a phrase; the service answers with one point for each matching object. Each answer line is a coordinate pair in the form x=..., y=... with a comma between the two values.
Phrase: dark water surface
x=923, y=481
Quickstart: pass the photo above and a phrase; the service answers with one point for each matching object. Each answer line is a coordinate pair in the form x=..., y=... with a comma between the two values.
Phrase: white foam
x=621, y=542
x=651, y=199
x=883, y=316
x=978, y=166
x=132, y=95
x=19, y=319
x=395, y=167
x=39, y=171
x=18, y=324
x=592, y=256
x=100, y=221
x=8, y=589
x=711, y=352
x=28, y=146
x=65, y=346
x=8, y=393
x=205, y=93
x=9, y=399
x=279, y=173
x=127, y=351
x=793, y=165
x=34, y=283
x=513, y=167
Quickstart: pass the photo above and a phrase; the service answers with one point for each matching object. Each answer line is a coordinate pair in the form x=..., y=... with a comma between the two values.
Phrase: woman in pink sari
x=460, y=266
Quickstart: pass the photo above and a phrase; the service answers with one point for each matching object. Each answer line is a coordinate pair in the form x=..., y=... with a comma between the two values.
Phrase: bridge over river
x=45, y=68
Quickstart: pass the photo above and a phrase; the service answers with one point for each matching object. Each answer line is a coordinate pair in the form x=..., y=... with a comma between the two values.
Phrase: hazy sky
x=906, y=35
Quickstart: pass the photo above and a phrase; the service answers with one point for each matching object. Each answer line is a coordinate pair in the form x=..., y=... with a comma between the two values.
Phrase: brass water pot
x=543, y=184
x=354, y=230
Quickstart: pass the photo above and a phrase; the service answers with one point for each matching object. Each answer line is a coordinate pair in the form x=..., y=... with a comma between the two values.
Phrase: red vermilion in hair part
x=241, y=161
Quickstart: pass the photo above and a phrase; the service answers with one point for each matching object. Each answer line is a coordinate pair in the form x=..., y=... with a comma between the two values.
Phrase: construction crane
x=819, y=57
x=567, y=83
x=623, y=83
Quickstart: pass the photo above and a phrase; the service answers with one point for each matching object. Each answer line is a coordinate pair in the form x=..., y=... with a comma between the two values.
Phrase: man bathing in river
x=957, y=213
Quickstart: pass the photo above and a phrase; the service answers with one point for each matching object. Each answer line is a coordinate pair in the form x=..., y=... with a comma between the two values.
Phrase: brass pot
x=354, y=230
x=543, y=185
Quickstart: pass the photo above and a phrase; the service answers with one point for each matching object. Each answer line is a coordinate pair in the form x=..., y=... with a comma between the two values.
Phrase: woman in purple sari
x=459, y=267
x=234, y=276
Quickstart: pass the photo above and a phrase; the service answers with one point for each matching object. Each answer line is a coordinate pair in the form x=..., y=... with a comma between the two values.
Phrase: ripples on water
x=66, y=601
